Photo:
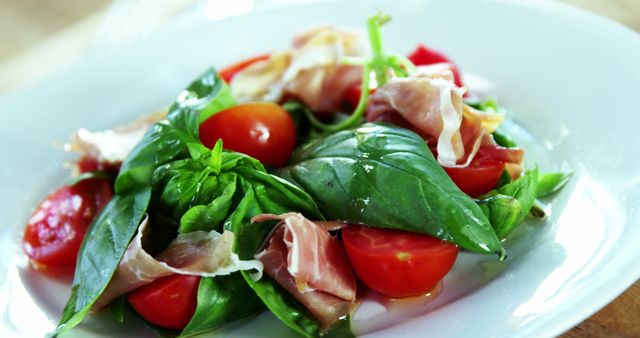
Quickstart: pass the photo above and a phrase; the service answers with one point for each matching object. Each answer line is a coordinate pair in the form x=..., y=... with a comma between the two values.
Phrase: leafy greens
x=385, y=176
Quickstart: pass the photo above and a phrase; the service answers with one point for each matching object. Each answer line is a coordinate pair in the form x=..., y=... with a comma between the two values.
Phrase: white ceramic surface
x=569, y=78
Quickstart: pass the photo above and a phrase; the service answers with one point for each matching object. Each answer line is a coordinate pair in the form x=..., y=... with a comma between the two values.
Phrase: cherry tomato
x=87, y=164
x=55, y=230
x=423, y=56
x=262, y=130
x=397, y=263
x=229, y=72
x=480, y=177
x=352, y=95
x=168, y=302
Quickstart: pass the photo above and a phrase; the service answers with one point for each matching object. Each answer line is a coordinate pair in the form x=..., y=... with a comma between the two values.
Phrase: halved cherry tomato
x=352, y=95
x=262, y=130
x=168, y=302
x=397, y=263
x=423, y=56
x=480, y=177
x=55, y=230
x=87, y=164
x=229, y=72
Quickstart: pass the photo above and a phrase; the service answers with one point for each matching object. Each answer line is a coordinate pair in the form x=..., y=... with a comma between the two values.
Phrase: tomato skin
x=229, y=72
x=56, y=228
x=397, y=263
x=262, y=130
x=168, y=302
x=87, y=164
x=480, y=177
x=423, y=56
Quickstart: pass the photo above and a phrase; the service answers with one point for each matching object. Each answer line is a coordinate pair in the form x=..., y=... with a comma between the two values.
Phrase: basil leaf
x=210, y=217
x=509, y=205
x=169, y=139
x=93, y=174
x=502, y=139
x=385, y=176
x=503, y=213
x=117, y=308
x=552, y=182
x=106, y=241
x=110, y=234
x=221, y=300
x=505, y=178
x=201, y=198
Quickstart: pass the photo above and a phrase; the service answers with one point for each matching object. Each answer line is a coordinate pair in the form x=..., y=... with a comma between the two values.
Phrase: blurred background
x=38, y=36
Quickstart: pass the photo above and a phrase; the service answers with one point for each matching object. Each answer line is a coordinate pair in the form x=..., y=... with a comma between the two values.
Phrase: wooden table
x=60, y=31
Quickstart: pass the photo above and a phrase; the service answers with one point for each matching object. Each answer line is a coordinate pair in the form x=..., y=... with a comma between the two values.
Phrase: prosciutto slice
x=310, y=71
x=311, y=264
x=201, y=253
x=431, y=104
x=113, y=145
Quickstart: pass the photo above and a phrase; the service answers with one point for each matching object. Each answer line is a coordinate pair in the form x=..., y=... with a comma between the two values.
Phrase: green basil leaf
x=93, y=174
x=550, y=183
x=524, y=190
x=505, y=178
x=202, y=198
x=385, y=176
x=221, y=300
x=509, y=205
x=487, y=105
x=503, y=213
x=210, y=217
x=169, y=139
x=502, y=139
x=107, y=240
x=117, y=308
x=110, y=234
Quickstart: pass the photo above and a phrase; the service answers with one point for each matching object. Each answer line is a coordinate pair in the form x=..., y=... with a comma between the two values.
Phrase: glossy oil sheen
x=569, y=79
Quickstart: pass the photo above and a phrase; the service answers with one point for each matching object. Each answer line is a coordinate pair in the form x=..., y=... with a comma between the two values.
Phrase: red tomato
x=168, y=302
x=55, y=230
x=87, y=164
x=397, y=263
x=352, y=95
x=262, y=130
x=229, y=72
x=423, y=56
x=480, y=177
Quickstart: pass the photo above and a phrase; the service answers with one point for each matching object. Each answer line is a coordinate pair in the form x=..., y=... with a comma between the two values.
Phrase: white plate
x=569, y=78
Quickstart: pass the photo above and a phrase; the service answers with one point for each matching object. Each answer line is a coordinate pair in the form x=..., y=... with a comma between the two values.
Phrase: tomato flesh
x=480, y=177
x=57, y=226
x=397, y=263
x=168, y=302
x=423, y=56
x=230, y=72
x=87, y=164
x=262, y=130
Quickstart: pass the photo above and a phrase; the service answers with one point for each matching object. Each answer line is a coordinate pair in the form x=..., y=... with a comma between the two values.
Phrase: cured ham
x=430, y=103
x=310, y=263
x=112, y=146
x=201, y=253
x=310, y=71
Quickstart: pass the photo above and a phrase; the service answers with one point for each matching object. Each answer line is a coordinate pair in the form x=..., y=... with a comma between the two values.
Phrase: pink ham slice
x=111, y=147
x=309, y=263
x=310, y=71
x=429, y=103
x=201, y=253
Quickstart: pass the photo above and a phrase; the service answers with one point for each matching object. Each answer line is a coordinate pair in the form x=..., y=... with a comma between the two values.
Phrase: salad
x=290, y=182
